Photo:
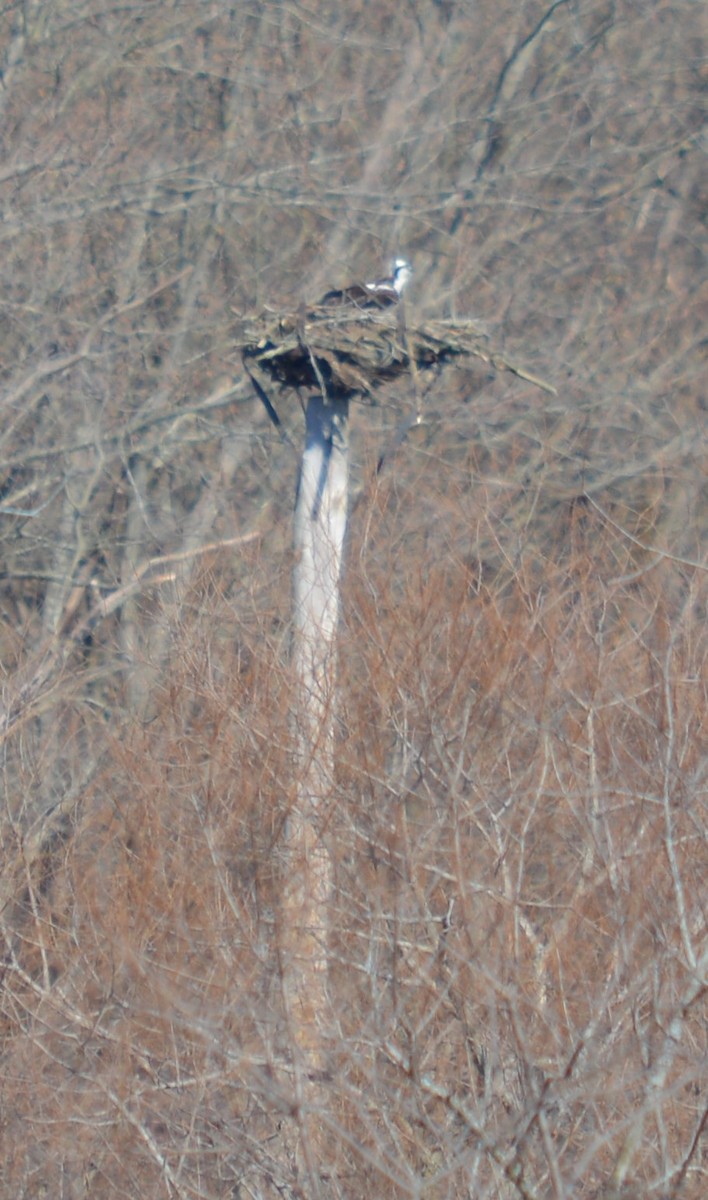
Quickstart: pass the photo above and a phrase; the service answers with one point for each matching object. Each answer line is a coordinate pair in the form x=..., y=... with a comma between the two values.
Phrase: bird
x=381, y=293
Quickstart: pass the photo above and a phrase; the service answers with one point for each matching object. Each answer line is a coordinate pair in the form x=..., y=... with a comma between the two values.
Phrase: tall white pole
x=320, y=527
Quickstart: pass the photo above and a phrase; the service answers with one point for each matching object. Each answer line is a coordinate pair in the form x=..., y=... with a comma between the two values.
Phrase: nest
x=348, y=353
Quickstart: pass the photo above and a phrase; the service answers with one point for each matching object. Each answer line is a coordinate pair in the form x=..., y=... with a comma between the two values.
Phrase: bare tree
x=509, y=808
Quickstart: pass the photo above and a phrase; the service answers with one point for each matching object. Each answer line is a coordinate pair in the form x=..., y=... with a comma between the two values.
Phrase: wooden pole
x=319, y=531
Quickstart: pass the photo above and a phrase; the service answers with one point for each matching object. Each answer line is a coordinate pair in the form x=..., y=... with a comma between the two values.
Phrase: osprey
x=379, y=294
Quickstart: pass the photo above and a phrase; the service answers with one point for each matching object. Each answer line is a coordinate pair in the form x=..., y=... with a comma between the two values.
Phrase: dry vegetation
x=517, y=949
x=356, y=352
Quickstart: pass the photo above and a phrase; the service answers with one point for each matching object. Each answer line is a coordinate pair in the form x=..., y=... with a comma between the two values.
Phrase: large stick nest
x=351, y=352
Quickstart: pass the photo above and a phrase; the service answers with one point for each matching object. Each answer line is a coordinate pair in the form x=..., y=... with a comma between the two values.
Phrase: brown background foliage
x=522, y=725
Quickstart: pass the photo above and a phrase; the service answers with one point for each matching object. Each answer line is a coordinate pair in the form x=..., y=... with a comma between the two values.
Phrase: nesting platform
x=348, y=352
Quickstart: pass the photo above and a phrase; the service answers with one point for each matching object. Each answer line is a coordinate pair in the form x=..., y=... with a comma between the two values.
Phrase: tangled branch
x=355, y=350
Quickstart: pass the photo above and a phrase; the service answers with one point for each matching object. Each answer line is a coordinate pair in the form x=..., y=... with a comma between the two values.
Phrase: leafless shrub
x=516, y=951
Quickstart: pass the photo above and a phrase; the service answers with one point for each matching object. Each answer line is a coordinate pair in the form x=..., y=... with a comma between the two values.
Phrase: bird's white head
x=401, y=272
